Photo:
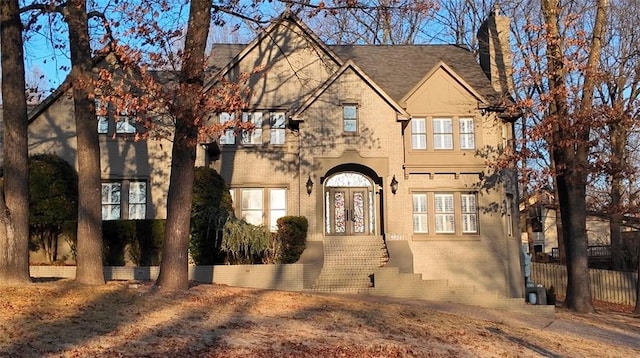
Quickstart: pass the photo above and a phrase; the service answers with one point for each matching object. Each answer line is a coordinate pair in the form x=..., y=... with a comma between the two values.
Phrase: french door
x=348, y=211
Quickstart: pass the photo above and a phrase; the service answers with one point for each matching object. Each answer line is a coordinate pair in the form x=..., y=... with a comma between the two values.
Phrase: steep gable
x=442, y=90
x=399, y=68
x=286, y=63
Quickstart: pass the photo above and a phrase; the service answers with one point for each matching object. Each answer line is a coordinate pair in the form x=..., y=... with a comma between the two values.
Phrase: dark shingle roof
x=395, y=68
x=398, y=68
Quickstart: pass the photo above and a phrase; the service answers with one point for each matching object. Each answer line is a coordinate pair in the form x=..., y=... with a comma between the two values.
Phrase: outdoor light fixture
x=309, y=185
x=394, y=185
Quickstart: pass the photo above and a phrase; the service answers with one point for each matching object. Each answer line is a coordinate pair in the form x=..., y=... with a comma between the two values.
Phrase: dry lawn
x=123, y=319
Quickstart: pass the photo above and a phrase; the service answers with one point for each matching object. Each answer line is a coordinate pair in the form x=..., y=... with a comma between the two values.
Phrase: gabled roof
x=396, y=69
x=351, y=65
x=223, y=59
x=443, y=66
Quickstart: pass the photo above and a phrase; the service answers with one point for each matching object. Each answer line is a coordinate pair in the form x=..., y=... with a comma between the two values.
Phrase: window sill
x=445, y=237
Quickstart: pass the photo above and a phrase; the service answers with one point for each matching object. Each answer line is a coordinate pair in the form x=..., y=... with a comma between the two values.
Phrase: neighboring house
x=383, y=144
x=542, y=213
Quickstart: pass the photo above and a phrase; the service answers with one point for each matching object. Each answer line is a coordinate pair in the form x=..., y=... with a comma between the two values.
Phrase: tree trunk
x=89, y=259
x=174, y=266
x=14, y=193
x=573, y=208
x=637, y=309
x=571, y=135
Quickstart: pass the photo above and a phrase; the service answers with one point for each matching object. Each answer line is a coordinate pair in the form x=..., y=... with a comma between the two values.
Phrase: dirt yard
x=123, y=319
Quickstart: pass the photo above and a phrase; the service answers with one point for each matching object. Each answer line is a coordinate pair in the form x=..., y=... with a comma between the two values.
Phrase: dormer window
x=350, y=118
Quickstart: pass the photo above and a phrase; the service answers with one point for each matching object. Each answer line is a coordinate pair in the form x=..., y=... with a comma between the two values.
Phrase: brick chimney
x=495, y=54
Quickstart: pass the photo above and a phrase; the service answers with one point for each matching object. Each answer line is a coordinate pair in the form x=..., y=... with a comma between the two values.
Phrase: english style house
x=384, y=149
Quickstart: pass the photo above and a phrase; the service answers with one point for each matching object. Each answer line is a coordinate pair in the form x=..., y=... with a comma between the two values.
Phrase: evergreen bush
x=53, y=201
x=211, y=206
x=291, y=237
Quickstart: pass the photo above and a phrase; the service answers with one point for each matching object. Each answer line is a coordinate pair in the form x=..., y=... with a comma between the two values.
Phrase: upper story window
x=467, y=136
x=276, y=122
x=418, y=133
x=350, y=118
x=102, y=115
x=254, y=135
x=442, y=133
x=447, y=133
x=124, y=122
x=228, y=136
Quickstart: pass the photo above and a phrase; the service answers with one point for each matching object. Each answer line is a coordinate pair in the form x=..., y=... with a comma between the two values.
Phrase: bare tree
x=14, y=194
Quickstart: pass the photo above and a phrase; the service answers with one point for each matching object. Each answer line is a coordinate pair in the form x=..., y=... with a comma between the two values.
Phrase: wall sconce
x=394, y=185
x=309, y=185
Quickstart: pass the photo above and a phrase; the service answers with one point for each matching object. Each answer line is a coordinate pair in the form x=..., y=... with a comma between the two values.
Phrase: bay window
x=418, y=133
x=442, y=133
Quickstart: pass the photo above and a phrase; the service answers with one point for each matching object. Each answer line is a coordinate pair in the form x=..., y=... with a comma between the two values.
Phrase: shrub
x=53, y=201
x=291, y=236
x=210, y=209
x=244, y=243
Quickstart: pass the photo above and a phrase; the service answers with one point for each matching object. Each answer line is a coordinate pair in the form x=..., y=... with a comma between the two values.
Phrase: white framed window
x=350, y=118
x=228, y=136
x=125, y=199
x=252, y=206
x=442, y=133
x=261, y=206
x=277, y=207
x=137, y=200
x=420, y=217
x=444, y=213
x=467, y=135
x=277, y=122
x=254, y=135
x=469, y=213
x=111, y=200
x=418, y=133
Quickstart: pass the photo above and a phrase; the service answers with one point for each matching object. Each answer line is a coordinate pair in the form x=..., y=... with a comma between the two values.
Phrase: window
x=418, y=133
x=509, y=209
x=101, y=114
x=116, y=206
x=252, y=136
x=260, y=206
x=111, y=201
x=469, y=214
x=125, y=121
x=442, y=133
x=420, y=218
x=444, y=214
x=467, y=138
x=350, y=118
x=126, y=124
x=277, y=123
x=227, y=136
x=277, y=207
x=137, y=199
x=252, y=206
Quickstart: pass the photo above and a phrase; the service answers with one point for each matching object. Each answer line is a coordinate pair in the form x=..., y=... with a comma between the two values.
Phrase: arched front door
x=349, y=205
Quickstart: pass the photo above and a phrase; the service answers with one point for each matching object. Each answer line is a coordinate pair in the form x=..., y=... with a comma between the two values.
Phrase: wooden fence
x=606, y=286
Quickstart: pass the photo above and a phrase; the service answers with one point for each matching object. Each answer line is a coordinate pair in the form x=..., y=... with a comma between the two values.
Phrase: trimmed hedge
x=291, y=236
